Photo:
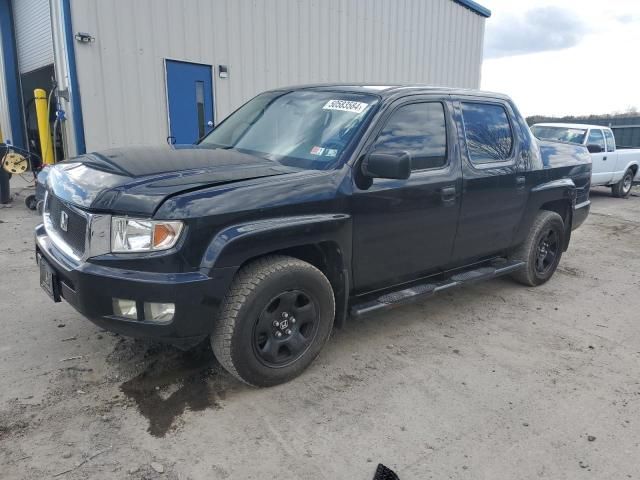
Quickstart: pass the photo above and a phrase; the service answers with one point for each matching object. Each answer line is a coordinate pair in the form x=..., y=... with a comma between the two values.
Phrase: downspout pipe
x=74, y=88
x=11, y=75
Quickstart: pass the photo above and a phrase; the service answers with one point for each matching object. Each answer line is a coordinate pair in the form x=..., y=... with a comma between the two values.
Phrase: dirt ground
x=491, y=381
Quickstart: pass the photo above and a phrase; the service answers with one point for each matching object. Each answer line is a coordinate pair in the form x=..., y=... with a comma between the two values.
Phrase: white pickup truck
x=618, y=169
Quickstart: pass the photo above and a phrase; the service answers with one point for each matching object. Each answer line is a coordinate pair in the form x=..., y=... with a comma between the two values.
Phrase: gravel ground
x=493, y=381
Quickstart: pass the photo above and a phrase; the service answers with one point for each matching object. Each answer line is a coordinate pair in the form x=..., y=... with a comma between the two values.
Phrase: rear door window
x=611, y=141
x=488, y=132
x=420, y=130
x=596, y=138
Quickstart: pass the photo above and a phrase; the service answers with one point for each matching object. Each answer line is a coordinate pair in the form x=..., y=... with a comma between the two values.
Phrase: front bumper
x=90, y=288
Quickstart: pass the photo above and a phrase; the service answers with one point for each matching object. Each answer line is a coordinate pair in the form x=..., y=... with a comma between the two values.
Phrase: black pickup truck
x=305, y=207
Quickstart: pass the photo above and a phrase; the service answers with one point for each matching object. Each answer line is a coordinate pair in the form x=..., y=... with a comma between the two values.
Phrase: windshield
x=303, y=128
x=560, y=134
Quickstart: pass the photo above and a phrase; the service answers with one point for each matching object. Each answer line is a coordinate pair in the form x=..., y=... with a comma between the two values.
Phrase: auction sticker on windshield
x=346, y=106
x=331, y=152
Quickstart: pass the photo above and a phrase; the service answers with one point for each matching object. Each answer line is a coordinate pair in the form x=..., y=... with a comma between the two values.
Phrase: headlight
x=138, y=235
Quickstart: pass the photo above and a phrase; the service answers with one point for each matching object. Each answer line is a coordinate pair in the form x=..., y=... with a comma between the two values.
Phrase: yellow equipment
x=15, y=163
x=44, y=130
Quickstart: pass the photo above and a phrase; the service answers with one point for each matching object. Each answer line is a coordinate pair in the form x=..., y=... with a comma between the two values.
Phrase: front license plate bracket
x=49, y=280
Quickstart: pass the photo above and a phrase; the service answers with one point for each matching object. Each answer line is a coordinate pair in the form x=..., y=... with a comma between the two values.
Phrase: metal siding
x=265, y=45
x=10, y=117
x=34, y=40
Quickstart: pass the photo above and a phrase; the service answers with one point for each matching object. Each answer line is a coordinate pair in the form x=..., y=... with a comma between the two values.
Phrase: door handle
x=520, y=181
x=448, y=193
x=604, y=158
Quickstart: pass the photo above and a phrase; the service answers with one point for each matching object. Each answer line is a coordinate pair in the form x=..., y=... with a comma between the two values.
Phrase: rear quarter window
x=488, y=132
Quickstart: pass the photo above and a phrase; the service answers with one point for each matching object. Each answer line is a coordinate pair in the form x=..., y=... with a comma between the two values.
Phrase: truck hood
x=136, y=180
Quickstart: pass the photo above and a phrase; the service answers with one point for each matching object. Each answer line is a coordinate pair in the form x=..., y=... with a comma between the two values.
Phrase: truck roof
x=386, y=90
x=569, y=125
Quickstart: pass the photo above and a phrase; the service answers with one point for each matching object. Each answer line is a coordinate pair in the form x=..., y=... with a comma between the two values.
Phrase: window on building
x=611, y=141
x=420, y=130
x=488, y=132
x=200, y=107
x=596, y=138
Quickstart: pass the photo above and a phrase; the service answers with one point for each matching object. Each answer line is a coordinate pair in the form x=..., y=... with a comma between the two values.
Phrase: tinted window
x=611, y=141
x=488, y=132
x=419, y=129
x=596, y=138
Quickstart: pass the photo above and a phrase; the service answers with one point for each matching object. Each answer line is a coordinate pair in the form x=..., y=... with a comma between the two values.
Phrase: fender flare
x=560, y=191
x=236, y=244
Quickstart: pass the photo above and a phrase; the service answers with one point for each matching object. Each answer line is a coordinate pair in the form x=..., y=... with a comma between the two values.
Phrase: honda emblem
x=64, y=221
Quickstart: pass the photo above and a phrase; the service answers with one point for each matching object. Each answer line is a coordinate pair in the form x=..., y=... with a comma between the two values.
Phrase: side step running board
x=423, y=290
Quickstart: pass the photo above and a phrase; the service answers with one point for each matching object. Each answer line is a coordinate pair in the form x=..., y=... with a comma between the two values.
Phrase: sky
x=564, y=57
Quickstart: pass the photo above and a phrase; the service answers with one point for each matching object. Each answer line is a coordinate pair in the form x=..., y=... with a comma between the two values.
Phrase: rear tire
x=622, y=189
x=275, y=319
x=541, y=251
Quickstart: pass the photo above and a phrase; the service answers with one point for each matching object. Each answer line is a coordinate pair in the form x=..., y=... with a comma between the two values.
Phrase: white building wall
x=266, y=44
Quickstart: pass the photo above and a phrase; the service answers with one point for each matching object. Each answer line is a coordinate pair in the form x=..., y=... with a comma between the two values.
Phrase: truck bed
x=565, y=160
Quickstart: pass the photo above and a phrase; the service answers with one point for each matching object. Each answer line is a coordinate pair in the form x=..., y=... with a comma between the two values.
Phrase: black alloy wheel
x=547, y=251
x=286, y=328
x=274, y=320
x=542, y=249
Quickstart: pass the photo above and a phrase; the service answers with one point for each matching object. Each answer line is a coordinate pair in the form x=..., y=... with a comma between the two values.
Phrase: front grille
x=76, y=233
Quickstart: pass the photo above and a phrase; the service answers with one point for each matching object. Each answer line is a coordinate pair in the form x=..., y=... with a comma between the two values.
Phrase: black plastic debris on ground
x=384, y=473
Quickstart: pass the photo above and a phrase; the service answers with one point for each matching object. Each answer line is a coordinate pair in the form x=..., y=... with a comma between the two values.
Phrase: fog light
x=125, y=308
x=159, y=312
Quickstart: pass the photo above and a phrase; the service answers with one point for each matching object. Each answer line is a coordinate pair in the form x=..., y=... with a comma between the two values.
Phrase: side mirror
x=387, y=165
x=593, y=148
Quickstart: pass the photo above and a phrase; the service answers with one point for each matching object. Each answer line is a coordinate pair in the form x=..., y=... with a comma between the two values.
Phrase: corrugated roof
x=475, y=7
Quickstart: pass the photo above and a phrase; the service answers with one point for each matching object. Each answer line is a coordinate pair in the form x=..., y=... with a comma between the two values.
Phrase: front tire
x=622, y=189
x=541, y=251
x=275, y=319
x=31, y=202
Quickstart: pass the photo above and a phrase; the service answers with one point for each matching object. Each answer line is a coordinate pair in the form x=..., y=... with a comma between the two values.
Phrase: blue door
x=190, y=101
